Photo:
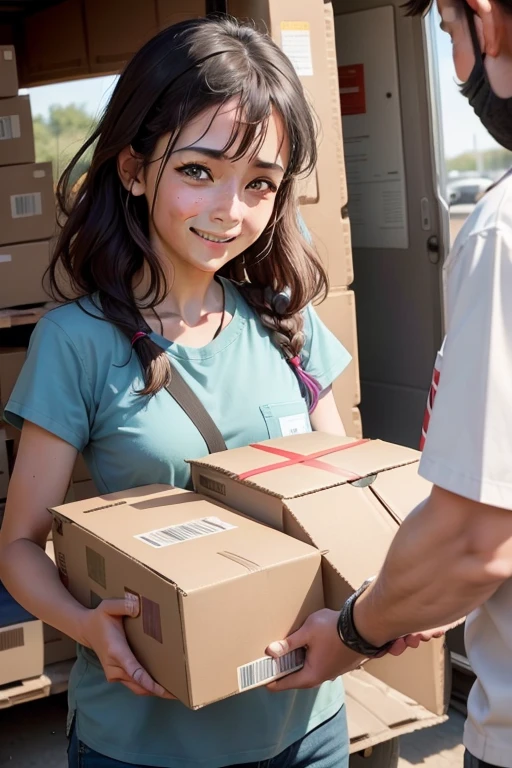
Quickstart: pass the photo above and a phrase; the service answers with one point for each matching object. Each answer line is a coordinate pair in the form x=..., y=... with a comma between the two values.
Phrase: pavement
x=32, y=736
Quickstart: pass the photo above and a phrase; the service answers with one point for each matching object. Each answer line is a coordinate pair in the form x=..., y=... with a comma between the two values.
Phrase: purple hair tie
x=311, y=385
x=137, y=336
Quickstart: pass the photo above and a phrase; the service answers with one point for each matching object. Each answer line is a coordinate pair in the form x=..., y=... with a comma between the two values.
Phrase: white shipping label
x=294, y=425
x=176, y=534
x=5, y=258
x=26, y=205
x=7, y=55
x=10, y=127
x=296, y=44
x=265, y=670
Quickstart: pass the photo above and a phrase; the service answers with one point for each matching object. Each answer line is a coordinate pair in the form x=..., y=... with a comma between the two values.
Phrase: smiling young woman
x=184, y=247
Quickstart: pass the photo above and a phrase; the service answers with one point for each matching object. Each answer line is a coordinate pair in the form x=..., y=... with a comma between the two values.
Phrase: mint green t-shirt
x=79, y=382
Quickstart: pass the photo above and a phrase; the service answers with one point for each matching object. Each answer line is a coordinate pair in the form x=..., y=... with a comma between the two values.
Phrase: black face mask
x=494, y=112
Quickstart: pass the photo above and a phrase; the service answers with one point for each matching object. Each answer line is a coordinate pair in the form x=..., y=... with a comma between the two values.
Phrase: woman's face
x=209, y=209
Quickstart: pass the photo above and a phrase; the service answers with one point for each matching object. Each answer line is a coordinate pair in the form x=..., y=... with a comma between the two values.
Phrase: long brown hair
x=104, y=243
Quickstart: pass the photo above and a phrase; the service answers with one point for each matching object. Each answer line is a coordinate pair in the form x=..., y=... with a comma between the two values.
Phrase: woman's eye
x=195, y=172
x=261, y=185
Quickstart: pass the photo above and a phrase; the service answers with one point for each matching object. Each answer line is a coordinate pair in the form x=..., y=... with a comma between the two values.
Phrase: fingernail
x=278, y=648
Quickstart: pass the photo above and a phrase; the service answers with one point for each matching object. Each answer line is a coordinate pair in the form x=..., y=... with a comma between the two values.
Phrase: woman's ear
x=130, y=169
x=491, y=25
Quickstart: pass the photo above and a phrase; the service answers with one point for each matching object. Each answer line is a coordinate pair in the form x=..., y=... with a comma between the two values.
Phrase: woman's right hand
x=104, y=633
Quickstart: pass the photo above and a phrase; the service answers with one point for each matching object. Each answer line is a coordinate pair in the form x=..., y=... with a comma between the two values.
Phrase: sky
x=461, y=129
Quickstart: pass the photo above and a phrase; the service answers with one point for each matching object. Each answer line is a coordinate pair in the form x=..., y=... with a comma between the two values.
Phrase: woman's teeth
x=213, y=239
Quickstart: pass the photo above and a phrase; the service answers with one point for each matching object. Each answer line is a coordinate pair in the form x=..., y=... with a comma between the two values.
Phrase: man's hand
x=414, y=640
x=326, y=656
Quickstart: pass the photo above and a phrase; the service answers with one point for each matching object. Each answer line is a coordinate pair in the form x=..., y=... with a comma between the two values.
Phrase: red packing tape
x=308, y=459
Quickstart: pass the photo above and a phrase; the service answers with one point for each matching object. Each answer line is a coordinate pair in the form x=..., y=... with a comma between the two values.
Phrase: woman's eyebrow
x=219, y=154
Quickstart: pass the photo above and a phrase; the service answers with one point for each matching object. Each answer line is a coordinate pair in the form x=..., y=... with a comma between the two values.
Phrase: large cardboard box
x=304, y=29
x=4, y=465
x=246, y=583
x=57, y=646
x=16, y=131
x=347, y=498
x=338, y=312
x=11, y=363
x=8, y=72
x=21, y=641
x=22, y=270
x=27, y=203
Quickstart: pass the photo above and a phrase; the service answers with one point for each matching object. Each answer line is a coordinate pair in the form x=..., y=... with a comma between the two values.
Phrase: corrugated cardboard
x=377, y=713
x=57, y=646
x=247, y=585
x=22, y=269
x=172, y=12
x=21, y=651
x=16, y=131
x=338, y=312
x=344, y=500
x=27, y=203
x=11, y=363
x=4, y=465
x=8, y=72
x=80, y=471
x=305, y=31
x=85, y=489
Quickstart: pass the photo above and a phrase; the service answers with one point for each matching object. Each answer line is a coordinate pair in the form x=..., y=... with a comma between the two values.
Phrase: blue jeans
x=325, y=747
x=474, y=762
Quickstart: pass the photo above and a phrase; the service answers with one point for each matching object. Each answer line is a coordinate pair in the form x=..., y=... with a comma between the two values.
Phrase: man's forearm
x=434, y=574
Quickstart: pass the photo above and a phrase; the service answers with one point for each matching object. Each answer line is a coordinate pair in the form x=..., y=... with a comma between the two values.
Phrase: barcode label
x=26, y=205
x=9, y=127
x=175, y=534
x=12, y=638
x=212, y=485
x=267, y=669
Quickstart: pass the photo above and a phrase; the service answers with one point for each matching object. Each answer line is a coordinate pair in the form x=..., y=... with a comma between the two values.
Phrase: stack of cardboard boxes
x=27, y=202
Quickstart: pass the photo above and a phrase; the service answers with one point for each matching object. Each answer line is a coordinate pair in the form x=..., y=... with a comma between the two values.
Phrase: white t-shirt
x=468, y=448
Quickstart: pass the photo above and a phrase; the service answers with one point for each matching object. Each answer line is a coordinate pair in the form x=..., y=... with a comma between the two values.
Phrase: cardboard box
x=11, y=363
x=4, y=465
x=247, y=583
x=16, y=131
x=345, y=497
x=80, y=472
x=22, y=270
x=21, y=641
x=304, y=29
x=57, y=646
x=8, y=72
x=338, y=312
x=21, y=651
x=85, y=489
x=171, y=12
x=27, y=203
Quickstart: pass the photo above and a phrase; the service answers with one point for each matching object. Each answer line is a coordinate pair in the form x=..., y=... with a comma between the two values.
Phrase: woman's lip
x=217, y=241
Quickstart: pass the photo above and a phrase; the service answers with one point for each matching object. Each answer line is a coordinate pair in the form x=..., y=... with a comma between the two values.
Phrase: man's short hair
x=417, y=7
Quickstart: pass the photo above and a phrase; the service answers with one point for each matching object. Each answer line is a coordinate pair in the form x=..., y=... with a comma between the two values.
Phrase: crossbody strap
x=197, y=413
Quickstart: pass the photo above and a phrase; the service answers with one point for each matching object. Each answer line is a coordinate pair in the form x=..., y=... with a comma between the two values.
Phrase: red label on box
x=352, y=89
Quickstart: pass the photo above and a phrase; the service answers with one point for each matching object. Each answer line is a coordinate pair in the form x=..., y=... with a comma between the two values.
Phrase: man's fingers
x=292, y=643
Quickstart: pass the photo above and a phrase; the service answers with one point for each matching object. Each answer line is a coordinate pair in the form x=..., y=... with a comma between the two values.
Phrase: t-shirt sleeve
x=53, y=390
x=323, y=356
x=468, y=448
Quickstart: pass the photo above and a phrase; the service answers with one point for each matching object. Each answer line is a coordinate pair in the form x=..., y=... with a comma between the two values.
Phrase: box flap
x=401, y=490
x=146, y=522
x=337, y=522
x=285, y=479
x=377, y=713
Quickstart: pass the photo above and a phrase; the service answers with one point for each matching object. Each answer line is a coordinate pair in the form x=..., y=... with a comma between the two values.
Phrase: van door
x=399, y=221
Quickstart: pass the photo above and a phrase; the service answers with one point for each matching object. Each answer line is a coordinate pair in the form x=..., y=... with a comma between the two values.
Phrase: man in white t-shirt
x=453, y=555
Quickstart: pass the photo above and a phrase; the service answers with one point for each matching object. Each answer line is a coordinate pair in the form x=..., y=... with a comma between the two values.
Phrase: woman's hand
x=415, y=639
x=104, y=633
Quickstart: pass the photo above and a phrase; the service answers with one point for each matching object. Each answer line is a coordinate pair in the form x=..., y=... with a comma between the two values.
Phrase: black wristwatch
x=348, y=633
